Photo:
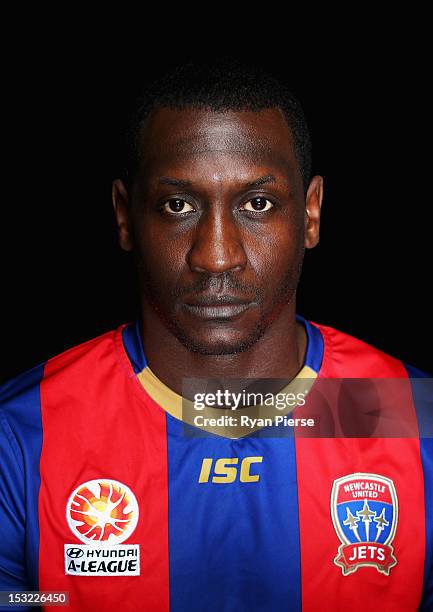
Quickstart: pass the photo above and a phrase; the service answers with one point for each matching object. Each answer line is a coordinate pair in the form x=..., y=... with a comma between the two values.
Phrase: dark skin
x=219, y=259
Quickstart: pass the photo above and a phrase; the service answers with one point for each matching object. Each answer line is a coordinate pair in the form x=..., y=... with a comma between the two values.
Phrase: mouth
x=224, y=307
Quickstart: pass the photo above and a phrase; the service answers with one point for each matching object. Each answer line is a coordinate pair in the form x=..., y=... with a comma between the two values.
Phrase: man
x=115, y=490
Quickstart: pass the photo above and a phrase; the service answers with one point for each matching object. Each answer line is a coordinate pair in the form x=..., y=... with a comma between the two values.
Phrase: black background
x=64, y=278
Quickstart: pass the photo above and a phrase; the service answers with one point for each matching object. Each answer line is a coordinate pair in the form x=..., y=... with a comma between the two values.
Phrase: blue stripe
x=423, y=401
x=133, y=344
x=233, y=547
x=21, y=445
x=315, y=344
x=422, y=391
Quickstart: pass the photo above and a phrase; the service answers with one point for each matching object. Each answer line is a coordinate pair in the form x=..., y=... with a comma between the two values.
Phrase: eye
x=259, y=204
x=176, y=206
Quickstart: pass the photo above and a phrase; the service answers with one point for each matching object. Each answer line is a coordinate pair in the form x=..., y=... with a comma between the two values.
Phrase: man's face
x=217, y=222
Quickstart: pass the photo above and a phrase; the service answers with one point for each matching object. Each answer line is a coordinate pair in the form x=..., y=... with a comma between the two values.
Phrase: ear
x=122, y=212
x=313, y=205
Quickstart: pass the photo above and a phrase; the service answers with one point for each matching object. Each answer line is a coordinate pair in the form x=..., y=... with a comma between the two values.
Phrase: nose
x=217, y=246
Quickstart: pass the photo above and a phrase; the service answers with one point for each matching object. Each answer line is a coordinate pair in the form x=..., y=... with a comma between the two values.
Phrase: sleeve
x=13, y=575
x=422, y=388
x=12, y=511
x=427, y=458
x=20, y=451
x=427, y=600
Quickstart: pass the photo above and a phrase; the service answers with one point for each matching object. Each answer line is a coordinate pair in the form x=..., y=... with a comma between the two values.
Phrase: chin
x=221, y=344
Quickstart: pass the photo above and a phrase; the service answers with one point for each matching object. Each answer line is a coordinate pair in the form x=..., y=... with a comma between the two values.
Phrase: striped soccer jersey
x=106, y=493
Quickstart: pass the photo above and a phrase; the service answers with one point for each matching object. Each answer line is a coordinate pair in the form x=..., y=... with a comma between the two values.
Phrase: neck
x=279, y=353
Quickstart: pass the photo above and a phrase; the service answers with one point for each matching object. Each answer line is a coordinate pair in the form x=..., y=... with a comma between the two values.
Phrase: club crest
x=364, y=510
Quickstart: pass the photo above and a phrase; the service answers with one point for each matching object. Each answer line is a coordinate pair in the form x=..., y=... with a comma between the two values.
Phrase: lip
x=224, y=308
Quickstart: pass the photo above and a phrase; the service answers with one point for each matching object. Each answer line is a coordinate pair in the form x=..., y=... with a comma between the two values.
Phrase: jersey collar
x=182, y=409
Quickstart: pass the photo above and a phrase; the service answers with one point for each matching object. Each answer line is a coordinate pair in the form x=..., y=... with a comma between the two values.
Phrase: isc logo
x=226, y=470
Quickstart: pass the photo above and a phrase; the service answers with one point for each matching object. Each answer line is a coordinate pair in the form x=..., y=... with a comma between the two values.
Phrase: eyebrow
x=269, y=178
x=167, y=180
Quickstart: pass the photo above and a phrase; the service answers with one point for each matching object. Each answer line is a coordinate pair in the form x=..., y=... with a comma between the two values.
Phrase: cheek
x=274, y=257
x=160, y=259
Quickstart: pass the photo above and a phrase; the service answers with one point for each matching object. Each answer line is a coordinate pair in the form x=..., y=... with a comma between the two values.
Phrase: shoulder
x=345, y=355
x=20, y=396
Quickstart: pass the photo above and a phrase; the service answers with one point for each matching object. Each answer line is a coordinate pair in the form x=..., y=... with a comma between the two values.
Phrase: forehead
x=171, y=137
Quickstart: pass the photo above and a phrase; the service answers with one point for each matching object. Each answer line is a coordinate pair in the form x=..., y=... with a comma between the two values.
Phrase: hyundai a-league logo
x=102, y=513
x=364, y=509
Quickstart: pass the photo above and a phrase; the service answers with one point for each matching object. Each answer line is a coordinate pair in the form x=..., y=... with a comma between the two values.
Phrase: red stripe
x=321, y=461
x=95, y=427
